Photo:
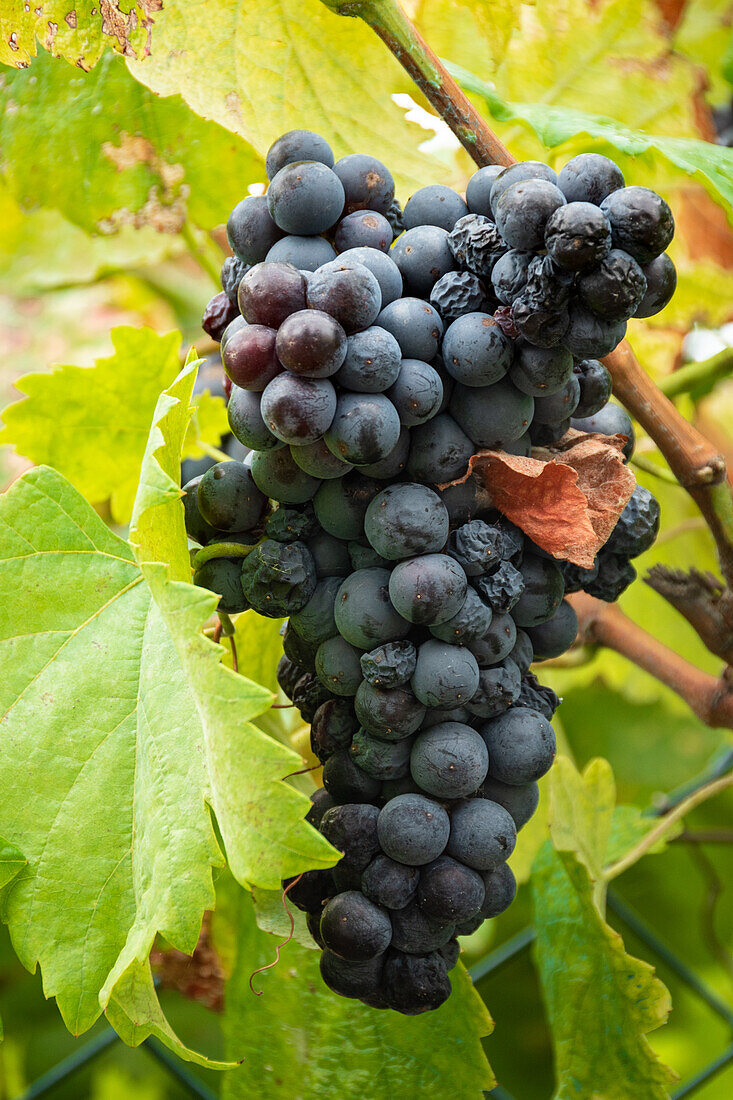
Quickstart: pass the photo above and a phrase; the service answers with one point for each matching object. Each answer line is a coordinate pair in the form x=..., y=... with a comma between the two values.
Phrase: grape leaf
x=92, y=423
x=114, y=697
x=599, y=1051
x=299, y=1039
x=77, y=31
x=41, y=251
x=154, y=162
x=260, y=69
x=208, y=424
x=704, y=35
x=554, y=125
x=11, y=863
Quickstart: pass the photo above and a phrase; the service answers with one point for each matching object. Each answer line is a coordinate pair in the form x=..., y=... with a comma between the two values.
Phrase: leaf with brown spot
x=566, y=497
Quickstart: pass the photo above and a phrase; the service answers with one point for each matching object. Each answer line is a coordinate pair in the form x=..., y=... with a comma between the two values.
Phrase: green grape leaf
x=41, y=251
x=259, y=647
x=208, y=424
x=153, y=166
x=92, y=423
x=272, y=916
x=114, y=696
x=712, y=165
x=77, y=31
x=300, y=1039
x=260, y=69
x=603, y=1052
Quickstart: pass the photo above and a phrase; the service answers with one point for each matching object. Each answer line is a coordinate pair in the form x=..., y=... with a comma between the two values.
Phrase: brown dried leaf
x=566, y=497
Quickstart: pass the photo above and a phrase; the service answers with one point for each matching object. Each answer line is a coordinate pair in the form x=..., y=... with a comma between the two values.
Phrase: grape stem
x=602, y=624
x=695, y=462
x=221, y=550
x=705, y=373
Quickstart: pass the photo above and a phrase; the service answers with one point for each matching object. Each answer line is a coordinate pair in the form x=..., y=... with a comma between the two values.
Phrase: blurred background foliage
x=114, y=184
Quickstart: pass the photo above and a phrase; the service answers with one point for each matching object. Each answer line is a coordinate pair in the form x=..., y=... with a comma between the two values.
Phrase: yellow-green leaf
x=77, y=30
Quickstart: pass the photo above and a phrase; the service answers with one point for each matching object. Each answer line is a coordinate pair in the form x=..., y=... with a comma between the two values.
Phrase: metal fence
x=490, y=964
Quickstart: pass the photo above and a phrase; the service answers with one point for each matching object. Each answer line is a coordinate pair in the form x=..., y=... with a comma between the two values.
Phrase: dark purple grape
x=311, y=343
x=219, y=313
x=249, y=358
x=363, y=229
x=270, y=292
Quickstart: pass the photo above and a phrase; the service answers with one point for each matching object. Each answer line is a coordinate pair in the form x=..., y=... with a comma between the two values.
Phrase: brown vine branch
x=705, y=603
x=709, y=697
x=696, y=463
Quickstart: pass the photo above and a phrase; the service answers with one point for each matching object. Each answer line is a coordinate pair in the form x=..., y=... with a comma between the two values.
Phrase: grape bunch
x=369, y=352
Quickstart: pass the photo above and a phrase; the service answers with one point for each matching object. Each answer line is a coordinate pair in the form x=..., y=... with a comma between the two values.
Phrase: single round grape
x=588, y=334
x=342, y=503
x=305, y=198
x=478, y=189
x=251, y=232
x=423, y=254
x=509, y=275
x=521, y=746
x=428, y=589
x=661, y=283
x=445, y=675
x=521, y=802
x=321, y=801
x=543, y=590
x=330, y=555
x=382, y=267
x=413, y=984
x=367, y=183
x=310, y=890
x=382, y=759
x=246, y=423
x=417, y=393
x=351, y=979
x=522, y=654
x=615, y=288
x=302, y=654
x=250, y=359
x=415, y=325
x=393, y=464
x=406, y=519
x=492, y=416
x=372, y=361
x=417, y=933
x=413, y=829
x=333, y=726
x=315, y=622
x=449, y=760
x=578, y=236
x=434, y=205
x=539, y=372
x=386, y=882
x=277, y=476
x=475, y=350
x=363, y=229
x=347, y=291
x=499, y=687
x=439, y=451
x=305, y=253
x=354, y=927
x=609, y=420
x=196, y=526
x=317, y=460
x=500, y=888
x=311, y=343
x=595, y=386
x=523, y=210
x=224, y=577
x=228, y=498
x=497, y=643
x=337, y=665
x=278, y=578
x=388, y=713
x=555, y=635
x=270, y=292
x=346, y=782
x=365, y=428
x=559, y=406
x=641, y=222
x=364, y=613
x=297, y=145
x=638, y=525
x=520, y=172
x=469, y=624
x=450, y=892
x=353, y=830
x=589, y=177
x=298, y=410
